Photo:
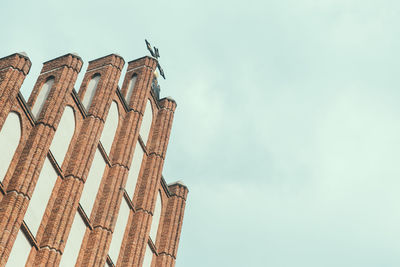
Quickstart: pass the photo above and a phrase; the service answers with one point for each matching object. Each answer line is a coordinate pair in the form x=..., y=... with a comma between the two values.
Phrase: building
x=81, y=172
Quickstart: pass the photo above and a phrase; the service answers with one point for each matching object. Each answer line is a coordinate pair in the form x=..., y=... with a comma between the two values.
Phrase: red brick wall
x=37, y=133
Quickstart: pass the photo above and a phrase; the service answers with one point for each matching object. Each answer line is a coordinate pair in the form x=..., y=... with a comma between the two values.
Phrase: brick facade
x=100, y=91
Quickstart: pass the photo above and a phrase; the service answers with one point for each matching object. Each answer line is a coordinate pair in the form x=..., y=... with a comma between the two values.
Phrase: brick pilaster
x=23, y=180
x=13, y=70
x=107, y=205
x=133, y=248
x=58, y=225
x=144, y=68
x=169, y=235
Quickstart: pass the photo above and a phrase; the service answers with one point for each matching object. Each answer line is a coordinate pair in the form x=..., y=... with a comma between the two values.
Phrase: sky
x=287, y=129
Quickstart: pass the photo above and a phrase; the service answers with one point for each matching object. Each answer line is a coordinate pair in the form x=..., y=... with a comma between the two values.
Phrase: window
x=42, y=96
x=90, y=91
x=131, y=86
x=10, y=135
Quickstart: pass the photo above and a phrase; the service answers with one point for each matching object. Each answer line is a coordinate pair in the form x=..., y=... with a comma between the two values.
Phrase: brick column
x=23, y=180
x=138, y=230
x=107, y=205
x=13, y=70
x=169, y=235
x=59, y=223
x=144, y=68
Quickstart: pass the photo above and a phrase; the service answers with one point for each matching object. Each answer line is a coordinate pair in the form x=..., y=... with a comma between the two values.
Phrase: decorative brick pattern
x=19, y=183
x=134, y=244
x=108, y=203
x=29, y=164
x=169, y=235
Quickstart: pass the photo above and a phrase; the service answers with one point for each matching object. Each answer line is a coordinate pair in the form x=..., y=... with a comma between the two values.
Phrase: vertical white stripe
x=156, y=218
x=92, y=183
x=40, y=197
x=20, y=251
x=9, y=139
x=110, y=127
x=74, y=242
x=146, y=122
x=148, y=256
x=63, y=135
x=134, y=170
x=118, y=235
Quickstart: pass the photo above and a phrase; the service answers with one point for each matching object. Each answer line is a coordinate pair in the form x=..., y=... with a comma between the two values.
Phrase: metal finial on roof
x=156, y=54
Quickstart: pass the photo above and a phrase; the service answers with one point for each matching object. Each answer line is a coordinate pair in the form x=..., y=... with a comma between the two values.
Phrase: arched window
x=10, y=135
x=156, y=218
x=146, y=122
x=42, y=96
x=63, y=135
x=131, y=86
x=110, y=127
x=90, y=91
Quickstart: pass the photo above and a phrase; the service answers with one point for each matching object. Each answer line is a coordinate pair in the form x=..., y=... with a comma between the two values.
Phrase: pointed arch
x=90, y=91
x=131, y=86
x=42, y=97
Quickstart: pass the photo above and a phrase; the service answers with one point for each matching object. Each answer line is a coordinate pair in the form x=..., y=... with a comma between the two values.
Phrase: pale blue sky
x=287, y=130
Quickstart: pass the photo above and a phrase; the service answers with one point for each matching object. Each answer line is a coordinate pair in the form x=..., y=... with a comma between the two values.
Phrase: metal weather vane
x=156, y=54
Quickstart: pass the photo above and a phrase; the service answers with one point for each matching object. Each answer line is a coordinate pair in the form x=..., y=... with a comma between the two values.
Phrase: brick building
x=81, y=172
